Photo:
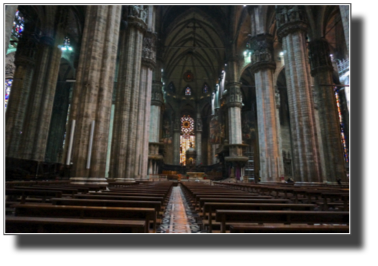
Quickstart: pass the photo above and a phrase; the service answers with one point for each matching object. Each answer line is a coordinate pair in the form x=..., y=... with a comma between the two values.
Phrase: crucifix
x=194, y=30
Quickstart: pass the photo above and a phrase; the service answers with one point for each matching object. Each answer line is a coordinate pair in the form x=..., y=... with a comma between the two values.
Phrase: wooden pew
x=118, y=197
x=283, y=217
x=202, y=201
x=210, y=207
x=14, y=224
x=241, y=197
x=87, y=212
x=24, y=193
x=292, y=228
x=67, y=190
x=110, y=203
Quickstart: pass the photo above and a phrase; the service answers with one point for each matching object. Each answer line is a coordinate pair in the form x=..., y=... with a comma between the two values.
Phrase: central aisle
x=178, y=217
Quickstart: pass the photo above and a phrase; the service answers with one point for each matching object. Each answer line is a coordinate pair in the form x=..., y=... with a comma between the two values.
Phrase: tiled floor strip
x=176, y=218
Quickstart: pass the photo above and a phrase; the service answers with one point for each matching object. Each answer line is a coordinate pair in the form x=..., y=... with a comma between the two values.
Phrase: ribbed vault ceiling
x=193, y=41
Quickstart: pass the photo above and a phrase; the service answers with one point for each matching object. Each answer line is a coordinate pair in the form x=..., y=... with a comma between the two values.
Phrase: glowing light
x=281, y=54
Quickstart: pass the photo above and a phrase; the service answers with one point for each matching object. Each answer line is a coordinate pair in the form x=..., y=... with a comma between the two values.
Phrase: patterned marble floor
x=178, y=217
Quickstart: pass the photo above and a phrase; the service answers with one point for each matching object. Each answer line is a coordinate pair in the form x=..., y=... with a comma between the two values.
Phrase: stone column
x=344, y=11
x=271, y=167
x=148, y=64
x=92, y=95
x=199, y=139
x=291, y=30
x=176, y=140
x=18, y=99
x=321, y=70
x=36, y=127
x=58, y=123
x=233, y=95
x=10, y=11
x=156, y=103
x=123, y=152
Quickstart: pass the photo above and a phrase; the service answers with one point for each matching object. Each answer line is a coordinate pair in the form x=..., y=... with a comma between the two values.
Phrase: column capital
x=199, y=125
x=262, y=56
x=290, y=19
x=149, y=50
x=137, y=17
x=319, y=54
x=233, y=94
x=136, y=23
x=176, y=125
x=157, y=94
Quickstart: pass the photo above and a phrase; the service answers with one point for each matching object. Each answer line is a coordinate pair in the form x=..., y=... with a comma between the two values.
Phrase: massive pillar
x=176, y=140
x=263, y=65
x=10, y=11
x=156, y=103
x=92, y=96
x=18, y=99
x=332, y=151
x=123, y=153
x=42, y=93
x=148, y=65
x=54, y=147
x=344, y=11
x=291, y=29
x=198, y=145
x=236, y=158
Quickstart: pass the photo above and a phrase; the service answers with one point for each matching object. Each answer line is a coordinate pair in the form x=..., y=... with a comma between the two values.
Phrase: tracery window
x=188, y=91
x=8, y=85
x=18, y=24
x=346, y=153
x=187, y=137
x=66, y=45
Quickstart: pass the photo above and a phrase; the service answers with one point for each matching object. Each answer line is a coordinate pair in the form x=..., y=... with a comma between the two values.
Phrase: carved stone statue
x=278, y=98
x=199, y=125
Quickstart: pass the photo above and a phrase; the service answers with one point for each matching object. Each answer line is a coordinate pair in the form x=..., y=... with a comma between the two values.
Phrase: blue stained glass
x=18, y=24
x=8, y=85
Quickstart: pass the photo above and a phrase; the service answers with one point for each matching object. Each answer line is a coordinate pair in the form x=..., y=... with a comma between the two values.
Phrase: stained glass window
x=66, y=45
x=18, y=24
x=187, y=138
x=8, y=85
x=346, y=154
x=188, y=91
x=205, y=89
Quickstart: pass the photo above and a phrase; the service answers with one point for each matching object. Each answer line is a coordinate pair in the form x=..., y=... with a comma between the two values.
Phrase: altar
x=195, y=175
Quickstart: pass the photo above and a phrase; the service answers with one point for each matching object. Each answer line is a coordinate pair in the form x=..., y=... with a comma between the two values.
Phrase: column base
x=88, y=181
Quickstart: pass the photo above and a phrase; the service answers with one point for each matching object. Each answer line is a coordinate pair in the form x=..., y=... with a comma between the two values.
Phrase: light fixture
x=162, y=70
x=225, y=64
x=281, y=54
